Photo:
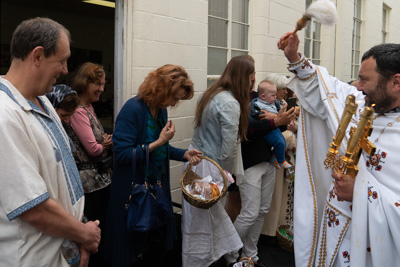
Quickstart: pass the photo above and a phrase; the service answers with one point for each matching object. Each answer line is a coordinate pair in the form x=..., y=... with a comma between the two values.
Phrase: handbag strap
x=146, y=150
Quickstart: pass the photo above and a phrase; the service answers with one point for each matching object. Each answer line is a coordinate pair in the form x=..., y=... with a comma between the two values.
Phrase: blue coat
x=122, y=247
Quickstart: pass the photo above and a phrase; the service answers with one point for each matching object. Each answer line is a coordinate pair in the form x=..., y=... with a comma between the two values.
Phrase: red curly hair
x=163, y=84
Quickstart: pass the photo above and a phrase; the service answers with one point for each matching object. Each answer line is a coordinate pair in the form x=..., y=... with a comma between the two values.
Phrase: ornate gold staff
x=358, y=142
x=332, y=158
x=347, y=164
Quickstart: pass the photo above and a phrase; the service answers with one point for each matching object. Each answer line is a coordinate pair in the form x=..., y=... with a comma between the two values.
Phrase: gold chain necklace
x=390, y=124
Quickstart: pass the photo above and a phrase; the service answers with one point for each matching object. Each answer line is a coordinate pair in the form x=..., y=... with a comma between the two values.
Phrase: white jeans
x=256, y=191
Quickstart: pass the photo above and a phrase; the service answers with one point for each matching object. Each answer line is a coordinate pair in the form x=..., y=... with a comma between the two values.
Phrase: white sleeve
x=22, y=187
x=320, y=94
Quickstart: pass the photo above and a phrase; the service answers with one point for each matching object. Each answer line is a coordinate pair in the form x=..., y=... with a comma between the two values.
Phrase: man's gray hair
x=36, y=32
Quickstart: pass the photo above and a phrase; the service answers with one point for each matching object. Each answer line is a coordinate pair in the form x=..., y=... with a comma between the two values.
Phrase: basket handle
x=217, y=165
x=249, y=261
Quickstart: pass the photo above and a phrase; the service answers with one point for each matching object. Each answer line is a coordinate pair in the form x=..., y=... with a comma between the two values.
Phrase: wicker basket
x=246, y=262
x=189, y=176
x=284, y=242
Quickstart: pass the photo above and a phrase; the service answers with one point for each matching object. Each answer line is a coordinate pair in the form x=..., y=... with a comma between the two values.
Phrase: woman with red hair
x=142, y=125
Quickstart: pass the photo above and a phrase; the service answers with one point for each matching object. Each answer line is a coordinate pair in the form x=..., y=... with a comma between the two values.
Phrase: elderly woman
x=142, y=124
x=93, y=153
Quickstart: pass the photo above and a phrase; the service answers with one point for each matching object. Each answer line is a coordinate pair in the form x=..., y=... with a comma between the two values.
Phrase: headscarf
x=58, y=93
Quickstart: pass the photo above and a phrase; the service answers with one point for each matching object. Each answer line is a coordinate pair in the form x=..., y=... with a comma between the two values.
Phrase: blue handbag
x=148, y=207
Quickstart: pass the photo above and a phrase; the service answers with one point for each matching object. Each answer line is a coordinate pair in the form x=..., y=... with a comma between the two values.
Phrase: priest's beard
x=380, y=97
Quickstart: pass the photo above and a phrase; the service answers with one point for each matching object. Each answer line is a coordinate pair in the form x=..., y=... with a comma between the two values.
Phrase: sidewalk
x=272, y=255
x=269, y=253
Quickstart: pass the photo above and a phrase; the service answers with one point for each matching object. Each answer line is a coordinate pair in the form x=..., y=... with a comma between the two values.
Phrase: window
x=312, y=39
x=228, y=30
x=355, y=54
x=385, y=12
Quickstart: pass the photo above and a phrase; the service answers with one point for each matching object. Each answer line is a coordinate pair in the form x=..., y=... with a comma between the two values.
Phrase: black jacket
x=255, y=150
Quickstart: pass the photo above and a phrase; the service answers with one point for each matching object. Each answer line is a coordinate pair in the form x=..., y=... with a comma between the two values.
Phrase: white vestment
x=328, y=232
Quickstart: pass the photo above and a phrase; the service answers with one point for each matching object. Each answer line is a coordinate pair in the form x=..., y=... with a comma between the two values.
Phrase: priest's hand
x=292, y=44
x=344, y=186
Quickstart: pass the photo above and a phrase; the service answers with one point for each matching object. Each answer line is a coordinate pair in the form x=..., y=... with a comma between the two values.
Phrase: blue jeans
x=275, y=139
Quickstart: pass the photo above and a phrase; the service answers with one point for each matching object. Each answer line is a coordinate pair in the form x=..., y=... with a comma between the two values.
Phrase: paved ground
x=271, y=254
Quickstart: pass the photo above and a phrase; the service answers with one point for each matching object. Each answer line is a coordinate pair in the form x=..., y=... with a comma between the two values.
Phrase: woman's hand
x=167, y=133
x=297, y=111
x=193, y=156
x=344, y=186
x=292, y=127
x=265, y=115
x=284, y=116
x=107, y=141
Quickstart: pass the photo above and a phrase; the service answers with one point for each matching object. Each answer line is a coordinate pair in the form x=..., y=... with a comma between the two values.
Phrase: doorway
x=92, y=32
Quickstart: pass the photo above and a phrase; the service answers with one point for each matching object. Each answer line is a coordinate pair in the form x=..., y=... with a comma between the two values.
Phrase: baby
x=266, y=101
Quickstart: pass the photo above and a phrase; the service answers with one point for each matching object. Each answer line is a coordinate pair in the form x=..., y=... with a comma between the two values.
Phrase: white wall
x=393, y=21
x=271, y=19
x=343, y=44
x=371, y=16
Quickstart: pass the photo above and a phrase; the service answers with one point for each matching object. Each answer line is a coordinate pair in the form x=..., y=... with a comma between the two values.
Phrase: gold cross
x=362, y=144
x=347, y=164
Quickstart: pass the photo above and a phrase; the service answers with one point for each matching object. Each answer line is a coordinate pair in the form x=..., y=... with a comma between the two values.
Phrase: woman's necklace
x=390, y=124
x=84, y=104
